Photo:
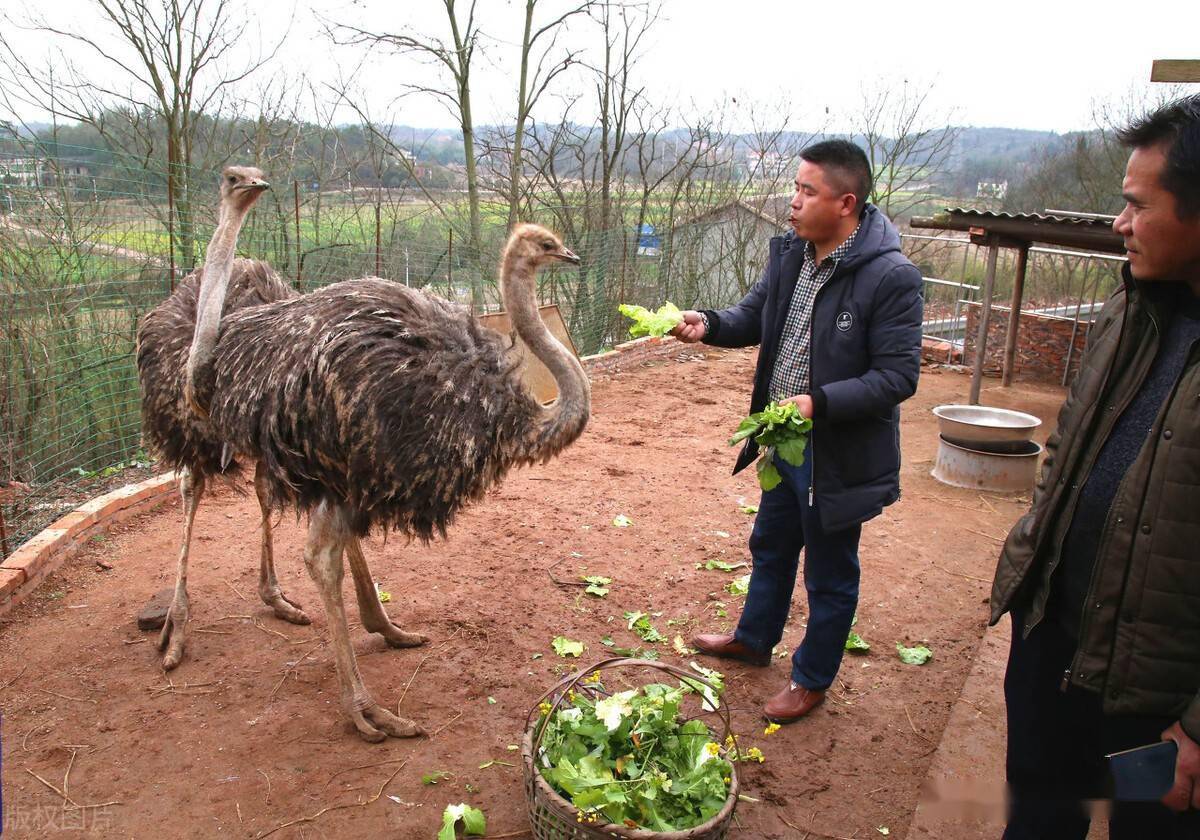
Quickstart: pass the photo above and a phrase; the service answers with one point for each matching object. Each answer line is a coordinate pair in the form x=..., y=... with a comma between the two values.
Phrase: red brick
x=75, y=522
x=10, y=581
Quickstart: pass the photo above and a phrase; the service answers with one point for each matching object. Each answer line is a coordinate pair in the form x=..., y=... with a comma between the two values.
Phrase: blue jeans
x=787, y=523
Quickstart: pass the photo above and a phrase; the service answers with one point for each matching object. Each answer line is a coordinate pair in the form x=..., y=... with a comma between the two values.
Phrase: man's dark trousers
x=787, y=523
x=1056, y=746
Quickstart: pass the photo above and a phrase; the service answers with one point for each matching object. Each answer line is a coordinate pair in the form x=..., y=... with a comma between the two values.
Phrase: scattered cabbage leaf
x=918, y=655
x=474, y=823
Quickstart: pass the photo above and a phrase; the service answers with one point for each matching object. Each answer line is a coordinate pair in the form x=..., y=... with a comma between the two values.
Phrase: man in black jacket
x=1102, y=576
x=837, y=315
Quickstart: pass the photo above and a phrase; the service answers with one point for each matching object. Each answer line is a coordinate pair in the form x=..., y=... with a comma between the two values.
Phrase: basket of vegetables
x=606, y=758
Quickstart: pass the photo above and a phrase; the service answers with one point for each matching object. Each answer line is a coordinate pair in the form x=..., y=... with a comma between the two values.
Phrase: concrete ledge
x=25, y=568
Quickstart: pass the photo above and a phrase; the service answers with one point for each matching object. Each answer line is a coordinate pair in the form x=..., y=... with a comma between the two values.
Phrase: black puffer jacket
x=865, y=354
x=1139, y=641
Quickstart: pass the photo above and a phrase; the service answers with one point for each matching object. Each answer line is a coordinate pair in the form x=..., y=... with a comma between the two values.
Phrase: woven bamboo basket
x=553, y=818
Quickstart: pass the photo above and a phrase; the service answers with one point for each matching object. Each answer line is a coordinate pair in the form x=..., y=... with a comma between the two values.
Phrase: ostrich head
x=529, y=248
x=240, y=187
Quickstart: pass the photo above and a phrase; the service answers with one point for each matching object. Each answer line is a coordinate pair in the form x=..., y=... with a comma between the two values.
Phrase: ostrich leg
x=268, y=584
x=370, y=610
x=327, y=537
x=174, y=631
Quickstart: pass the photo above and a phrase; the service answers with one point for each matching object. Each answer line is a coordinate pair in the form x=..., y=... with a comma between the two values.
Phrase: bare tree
x=455, y=59
x=171, y=61
x=545, y=64
x=906, y=144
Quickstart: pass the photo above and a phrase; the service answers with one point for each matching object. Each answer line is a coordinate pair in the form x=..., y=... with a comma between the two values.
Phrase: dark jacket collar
x=1161, y=298
x=876, y=236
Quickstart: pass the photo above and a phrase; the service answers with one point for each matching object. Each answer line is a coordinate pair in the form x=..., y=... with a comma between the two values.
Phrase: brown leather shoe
x=726, y=646
x=793, y=703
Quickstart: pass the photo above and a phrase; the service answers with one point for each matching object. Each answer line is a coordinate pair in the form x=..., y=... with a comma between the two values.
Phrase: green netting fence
x=90, y=240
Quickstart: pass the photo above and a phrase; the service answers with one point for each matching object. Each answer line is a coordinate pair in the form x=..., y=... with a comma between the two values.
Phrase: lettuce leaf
x=646, y=322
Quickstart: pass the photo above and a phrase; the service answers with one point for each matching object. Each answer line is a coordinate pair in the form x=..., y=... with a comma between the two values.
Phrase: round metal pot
x=984, y=423
x=996, y=472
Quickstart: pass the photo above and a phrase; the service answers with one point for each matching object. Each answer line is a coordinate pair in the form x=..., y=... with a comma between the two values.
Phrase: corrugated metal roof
x=1027, y=217
x=1027, y=228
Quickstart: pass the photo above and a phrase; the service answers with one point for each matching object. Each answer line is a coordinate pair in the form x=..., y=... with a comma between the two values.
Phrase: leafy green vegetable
x=639, y=623
x=474, y=823
x=777, y=429
x=567, y=647
x=739, y=586
x=856, y=643
x=633, y=652
x=646, y=322
x=749, y=509
x=435, y=777
x=597, y=585
x=721, y=565
x=622, y=521
x=918, y=655
x=632, y=759
x=679, y=647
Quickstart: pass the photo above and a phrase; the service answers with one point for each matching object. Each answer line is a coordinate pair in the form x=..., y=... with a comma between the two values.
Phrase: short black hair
x=846, y=162
x=1176, y=128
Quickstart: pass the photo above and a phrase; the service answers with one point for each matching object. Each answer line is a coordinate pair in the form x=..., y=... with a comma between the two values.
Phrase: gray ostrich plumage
x=171, y=428
x=368, y=403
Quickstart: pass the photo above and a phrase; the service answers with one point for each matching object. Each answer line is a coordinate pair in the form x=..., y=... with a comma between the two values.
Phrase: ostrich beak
x=257, y=184
x=567, y=255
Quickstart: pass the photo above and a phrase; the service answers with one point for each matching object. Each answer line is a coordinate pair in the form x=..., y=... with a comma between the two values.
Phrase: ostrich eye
x=233, y=179
x=549, y=246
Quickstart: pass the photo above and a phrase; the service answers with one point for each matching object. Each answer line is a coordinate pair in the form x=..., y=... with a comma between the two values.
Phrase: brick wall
x=632, y=353
x=1042, y=344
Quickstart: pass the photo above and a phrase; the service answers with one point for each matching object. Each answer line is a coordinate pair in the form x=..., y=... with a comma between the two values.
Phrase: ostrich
x=173, y=430
x=370, y=404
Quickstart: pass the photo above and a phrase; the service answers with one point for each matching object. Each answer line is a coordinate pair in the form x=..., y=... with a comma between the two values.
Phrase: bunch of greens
x=646, y=322
x=776, y=429
x=628, y=758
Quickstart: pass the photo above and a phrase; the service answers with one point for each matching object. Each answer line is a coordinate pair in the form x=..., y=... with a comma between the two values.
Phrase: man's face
x=818, y=206
x=1158, y=244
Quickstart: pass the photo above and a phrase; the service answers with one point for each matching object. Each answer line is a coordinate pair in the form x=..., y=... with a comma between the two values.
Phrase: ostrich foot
x=393, y=635
x=284, y=607
x=174, y=633
x=375, y=723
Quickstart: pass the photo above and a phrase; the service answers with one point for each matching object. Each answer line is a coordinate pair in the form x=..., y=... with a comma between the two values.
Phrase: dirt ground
x=248, y=734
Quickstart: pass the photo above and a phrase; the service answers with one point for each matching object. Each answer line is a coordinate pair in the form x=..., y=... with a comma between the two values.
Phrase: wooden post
x=985, y=313
x=1175, y=70
x=3, y=537
x=171, y=225
x=299, y=252
x=1014, y=316
x=450, y=268
x=378, y=249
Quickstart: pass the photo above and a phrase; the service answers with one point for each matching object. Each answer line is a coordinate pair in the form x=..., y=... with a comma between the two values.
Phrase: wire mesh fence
x=86, y=249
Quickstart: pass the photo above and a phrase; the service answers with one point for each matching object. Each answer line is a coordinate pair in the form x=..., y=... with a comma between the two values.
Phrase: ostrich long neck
x=563, y=421
x=218, y=266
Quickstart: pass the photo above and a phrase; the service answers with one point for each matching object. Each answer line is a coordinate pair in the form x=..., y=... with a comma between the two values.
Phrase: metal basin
x=984, y=424
x=959, y=466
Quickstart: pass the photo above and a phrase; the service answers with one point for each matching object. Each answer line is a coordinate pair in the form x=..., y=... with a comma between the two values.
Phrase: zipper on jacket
x=1073, y=501
x=812, y=453
x=1085, y=618
x=1066, y=681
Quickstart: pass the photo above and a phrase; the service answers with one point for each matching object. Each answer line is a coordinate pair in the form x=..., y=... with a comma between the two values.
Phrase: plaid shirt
x=792, y=374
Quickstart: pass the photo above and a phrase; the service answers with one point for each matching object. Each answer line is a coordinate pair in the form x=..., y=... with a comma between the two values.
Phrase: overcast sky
x=1041, y=65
